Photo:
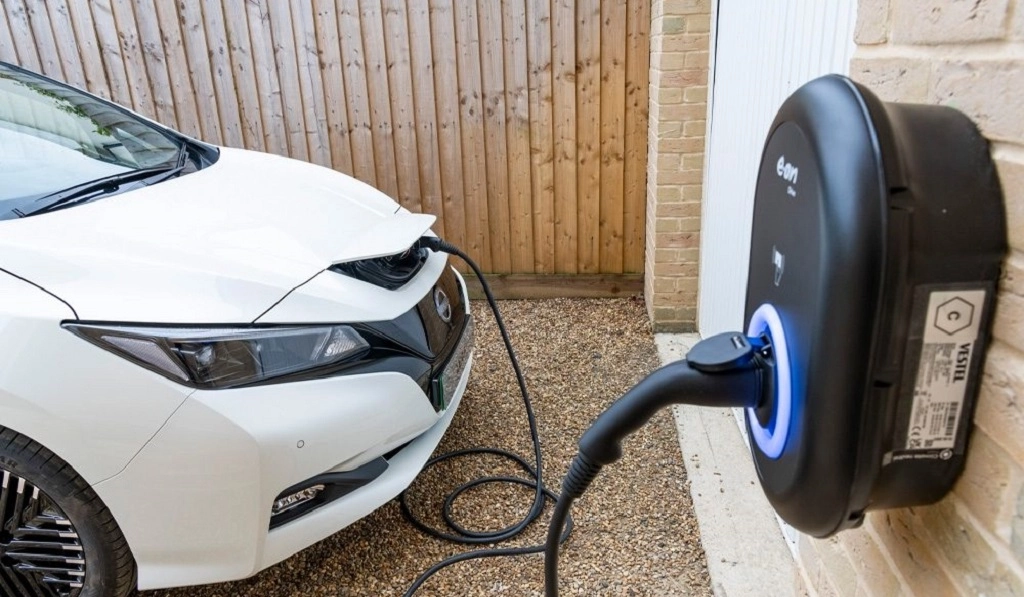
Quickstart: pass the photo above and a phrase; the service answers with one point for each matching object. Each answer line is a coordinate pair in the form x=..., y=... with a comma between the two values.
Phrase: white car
x=213, y=358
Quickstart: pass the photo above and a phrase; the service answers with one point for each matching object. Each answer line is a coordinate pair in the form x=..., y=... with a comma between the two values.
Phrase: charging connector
x=727, y=370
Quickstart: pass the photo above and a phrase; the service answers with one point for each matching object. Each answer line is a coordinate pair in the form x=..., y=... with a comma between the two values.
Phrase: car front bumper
x=195, y=503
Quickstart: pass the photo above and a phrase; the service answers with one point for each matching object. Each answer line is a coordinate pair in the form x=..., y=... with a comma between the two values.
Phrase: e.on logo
x=786, y=170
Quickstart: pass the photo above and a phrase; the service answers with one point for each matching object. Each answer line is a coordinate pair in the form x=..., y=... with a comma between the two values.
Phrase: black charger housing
x=877, y=242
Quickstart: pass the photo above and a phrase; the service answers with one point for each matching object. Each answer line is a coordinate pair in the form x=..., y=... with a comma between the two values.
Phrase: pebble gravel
x=636, y=534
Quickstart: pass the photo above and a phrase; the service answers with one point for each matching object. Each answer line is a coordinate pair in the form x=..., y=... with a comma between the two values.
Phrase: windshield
x=53, y=137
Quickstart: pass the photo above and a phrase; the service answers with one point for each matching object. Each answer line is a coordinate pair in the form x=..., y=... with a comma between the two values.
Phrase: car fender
x=90, y=407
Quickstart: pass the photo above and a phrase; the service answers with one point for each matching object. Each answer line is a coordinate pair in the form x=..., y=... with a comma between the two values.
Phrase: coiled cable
x=458, y=533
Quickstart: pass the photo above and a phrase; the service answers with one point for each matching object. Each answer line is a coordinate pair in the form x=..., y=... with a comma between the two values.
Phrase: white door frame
x=761, y=51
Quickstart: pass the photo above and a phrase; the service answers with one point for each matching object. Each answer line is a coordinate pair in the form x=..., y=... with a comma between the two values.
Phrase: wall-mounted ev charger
x=877, y=242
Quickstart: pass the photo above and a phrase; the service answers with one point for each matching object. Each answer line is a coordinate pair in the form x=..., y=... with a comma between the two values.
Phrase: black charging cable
x=727, y=370
x=535, y=475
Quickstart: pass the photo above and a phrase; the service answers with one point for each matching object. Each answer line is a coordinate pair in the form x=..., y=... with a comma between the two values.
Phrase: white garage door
x=763, y=50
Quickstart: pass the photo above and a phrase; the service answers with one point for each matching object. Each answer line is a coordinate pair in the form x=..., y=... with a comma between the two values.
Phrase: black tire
x=63, y=500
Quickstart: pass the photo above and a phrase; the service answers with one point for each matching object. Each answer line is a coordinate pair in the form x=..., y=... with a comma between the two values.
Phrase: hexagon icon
x=954, y=315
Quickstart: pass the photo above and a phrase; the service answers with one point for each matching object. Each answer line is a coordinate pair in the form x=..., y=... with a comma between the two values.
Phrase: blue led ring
x=772, y=441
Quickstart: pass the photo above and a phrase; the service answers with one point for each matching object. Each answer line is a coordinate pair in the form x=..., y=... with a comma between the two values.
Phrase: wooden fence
x=522, y=124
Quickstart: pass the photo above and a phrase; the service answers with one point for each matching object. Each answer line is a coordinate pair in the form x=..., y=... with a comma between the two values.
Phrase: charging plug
x=435, y=244
x=727, y=370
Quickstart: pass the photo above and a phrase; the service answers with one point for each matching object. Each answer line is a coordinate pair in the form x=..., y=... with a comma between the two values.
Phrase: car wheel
x=57, y=539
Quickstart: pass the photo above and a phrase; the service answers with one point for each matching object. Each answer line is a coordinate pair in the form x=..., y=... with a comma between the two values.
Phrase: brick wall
x=680, y=32
x=966, y=54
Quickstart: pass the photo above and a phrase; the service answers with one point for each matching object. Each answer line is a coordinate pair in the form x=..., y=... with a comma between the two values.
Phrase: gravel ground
x=636, y=534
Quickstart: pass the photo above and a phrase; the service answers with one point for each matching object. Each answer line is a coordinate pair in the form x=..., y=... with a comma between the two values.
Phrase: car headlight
x=225, y=357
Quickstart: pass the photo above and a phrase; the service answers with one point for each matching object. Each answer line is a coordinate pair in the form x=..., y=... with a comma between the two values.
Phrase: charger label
x=951, y=327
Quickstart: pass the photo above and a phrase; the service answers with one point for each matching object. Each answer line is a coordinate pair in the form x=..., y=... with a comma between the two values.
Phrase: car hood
x=221, y=245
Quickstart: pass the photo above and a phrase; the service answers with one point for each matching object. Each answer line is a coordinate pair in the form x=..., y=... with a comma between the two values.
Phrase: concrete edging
x=746, y=550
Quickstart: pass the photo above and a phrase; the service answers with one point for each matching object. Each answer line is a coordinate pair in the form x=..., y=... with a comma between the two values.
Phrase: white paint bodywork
x=195, y=503
x=90, y=407
x=216, y=246
x=190, y=476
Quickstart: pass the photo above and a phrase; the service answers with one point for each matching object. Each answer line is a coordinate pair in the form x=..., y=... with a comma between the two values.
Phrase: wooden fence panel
x=588, y=134
x=565, y=69
x=399, y=67
x=357, y=100
x=329, y=51
x=521, y=123
x=541, y=117
x=23, y=45
x=613, y=98
x=244, y=71
x=634, y=194
x=422, y=66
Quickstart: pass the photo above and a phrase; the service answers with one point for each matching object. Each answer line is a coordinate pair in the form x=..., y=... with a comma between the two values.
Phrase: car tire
x=61, y=520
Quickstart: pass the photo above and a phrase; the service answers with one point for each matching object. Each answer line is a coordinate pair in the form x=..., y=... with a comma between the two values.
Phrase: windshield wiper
x=183, y=156
x=99, y=187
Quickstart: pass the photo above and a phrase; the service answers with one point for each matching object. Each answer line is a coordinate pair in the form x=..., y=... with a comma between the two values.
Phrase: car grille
x=443, y=333
x=443, y=313
x=422, y=341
